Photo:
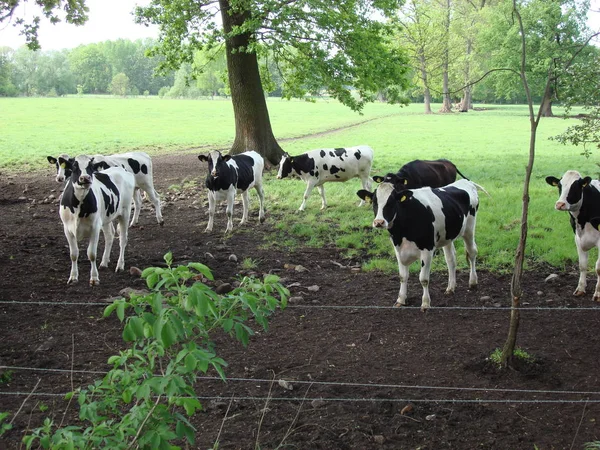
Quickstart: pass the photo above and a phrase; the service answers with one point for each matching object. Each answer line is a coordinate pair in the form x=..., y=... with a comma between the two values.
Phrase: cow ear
x=202, y=157
x=51, y=159
x=402, y=181
x=377, y=178
x=97, y=166
x=365, y=195
x=65, y=163
x=586, y=181
x=552, y=181
x=404, y=196
x=226, y=158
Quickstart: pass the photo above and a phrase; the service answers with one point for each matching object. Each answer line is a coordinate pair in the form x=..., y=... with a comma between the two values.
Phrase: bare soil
x=388, y=378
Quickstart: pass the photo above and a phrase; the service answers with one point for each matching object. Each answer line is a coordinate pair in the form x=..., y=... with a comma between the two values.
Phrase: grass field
x=489, y=146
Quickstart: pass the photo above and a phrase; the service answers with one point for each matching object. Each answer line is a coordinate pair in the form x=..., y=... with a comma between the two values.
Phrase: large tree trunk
x=547, y=104
x=426, y=91
x=252, y=124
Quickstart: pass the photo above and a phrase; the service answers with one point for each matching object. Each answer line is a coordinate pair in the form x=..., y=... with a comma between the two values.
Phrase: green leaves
x=168, y=332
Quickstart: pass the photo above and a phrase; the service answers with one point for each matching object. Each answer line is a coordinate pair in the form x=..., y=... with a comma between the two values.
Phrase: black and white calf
x=317, y=167
x=137, y=163
x=228, y=175
x=91, y=202
x=581, y=198
x=422, y=220
x=420, y=173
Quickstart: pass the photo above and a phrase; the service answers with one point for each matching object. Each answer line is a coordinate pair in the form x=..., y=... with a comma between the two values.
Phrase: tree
x=334, y=46
x=7, y=68
x=119, y=84
x=91, y=68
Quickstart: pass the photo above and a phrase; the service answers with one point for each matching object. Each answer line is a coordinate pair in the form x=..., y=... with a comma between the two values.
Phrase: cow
x=422, y=220
x=137, y=163
x=581, y=198
x=420, y=173
x=91, y=202
x=228, y=175
x=317, y=167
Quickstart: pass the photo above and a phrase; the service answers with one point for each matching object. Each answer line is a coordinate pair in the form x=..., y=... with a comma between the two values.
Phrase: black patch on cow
x=286, y=167
x=456, y=204
x=68, y=199
x=317, y=174
x=341, y=153
x=312, y=173
x=437, y=236
x=420, y=173
x=332, y=154
x=102, y=165
x=86, y=207
x=590, y=205
x=109, y=200
x=144, y=169
x=241, y=178
x=322, y=153
x=134, y=164
x=334, y=170
x=303, y=163
x=109, y=205
x=325, y=167
x=422, y=263
x=357, y=155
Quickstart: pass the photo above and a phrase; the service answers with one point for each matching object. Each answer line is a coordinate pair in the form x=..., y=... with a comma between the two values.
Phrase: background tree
x=91, y=68
x=7, y=69
x=333, y=46
x=119, y=85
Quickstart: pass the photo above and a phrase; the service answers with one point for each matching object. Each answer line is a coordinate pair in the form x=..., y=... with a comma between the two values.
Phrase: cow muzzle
x=379, y=223
x=60, y=179
x=85, y=180
x=561, y=206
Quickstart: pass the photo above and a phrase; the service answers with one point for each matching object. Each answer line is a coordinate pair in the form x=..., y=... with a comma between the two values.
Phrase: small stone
x=497, y=305
x=209, y=255
x=21, y=199
x=408, y=408
x=285, y=384
x=46, y=345
x=295, y=300
x=51, y=197
x=355, y=270
x=379, y=439
x=540, y=293
x=430, y=417
x=300, y=268
x=135, y=271
x=224, y=288
x=313, y=288
x=128, y=292
x=317, y=403
x=550, y=278
x=233, y=258
x=486, y=298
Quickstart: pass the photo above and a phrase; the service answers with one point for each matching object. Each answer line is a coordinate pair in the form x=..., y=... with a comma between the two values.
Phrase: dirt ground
x=353, y=369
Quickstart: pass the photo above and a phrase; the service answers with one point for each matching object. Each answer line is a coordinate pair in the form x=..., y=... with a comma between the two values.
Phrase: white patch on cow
x=566, y=182
x=383, y=192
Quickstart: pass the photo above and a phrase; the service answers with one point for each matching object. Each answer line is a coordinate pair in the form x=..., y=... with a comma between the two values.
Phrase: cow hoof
x=94, y=282
x=473, y=287
x=424, y=308
x=579, y=293
x=398, y=305
x=449, y=291
x=72, y=281
x=261, y=219
x=596, y=298
x=162, y=223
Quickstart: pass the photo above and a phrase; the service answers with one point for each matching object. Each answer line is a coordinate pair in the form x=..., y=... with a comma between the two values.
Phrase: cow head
x=215, y=162
x=285, y=166
x=62, y=164
x=398, y=182
x=82, y=171
x=385, y=201
x=570, y=190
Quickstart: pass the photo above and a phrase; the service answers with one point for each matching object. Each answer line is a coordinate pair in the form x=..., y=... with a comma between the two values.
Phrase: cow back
x=420, y=173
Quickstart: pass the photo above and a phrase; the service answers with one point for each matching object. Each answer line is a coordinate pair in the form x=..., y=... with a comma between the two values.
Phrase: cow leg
x=471, y=250
x=74, y=252
x=366, y=185
x=450, y=256
x=137, y=207
x=155, y=200
x=310, y=185
x=122, y=242
x=245, y=207
x=426, y=257
x=403, y=272
x=596, y=297
x=230, y=201
x=322, y=192
x=583, y=266
x=109, y=233
x=261, y=201
x=91, y=253
x=211, y=210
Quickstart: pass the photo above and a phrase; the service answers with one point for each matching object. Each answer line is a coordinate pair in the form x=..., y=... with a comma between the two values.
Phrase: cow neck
x=227, y=177
x=303, y=164
x=590, y=205
x=78, y=198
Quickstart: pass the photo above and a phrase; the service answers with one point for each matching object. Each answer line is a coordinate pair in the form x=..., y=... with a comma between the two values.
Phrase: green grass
x=490, y=147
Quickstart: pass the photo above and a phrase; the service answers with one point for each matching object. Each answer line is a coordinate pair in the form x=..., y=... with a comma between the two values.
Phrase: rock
x=497, y=305
x=21, y=199
x=295, y=300
x=551, y=278
x=486, y=298
x=224, y=288
x=540, y=293
x=285, y=384
x=379, y=439
x=430, y=417
x=407, y=409
x=233, y=258
x=51, y=197
x=128, y=292
x=46, y=345
x=209, y=255
x=300, y=268
x=135, y=271
x=313, y=288
x=355, y=270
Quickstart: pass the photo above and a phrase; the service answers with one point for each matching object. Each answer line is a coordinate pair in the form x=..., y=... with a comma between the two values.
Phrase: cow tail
x=458, y=172
x=480, y=188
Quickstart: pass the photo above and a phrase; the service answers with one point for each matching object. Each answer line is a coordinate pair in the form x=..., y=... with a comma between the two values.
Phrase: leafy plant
x=145, y=400
x=249, y=263
x=6, y=376
x=519, y=353
x=4, y=427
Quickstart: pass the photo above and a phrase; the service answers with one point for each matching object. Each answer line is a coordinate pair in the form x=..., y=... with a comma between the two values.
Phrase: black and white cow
x=422, y=220
x=91, y=202
x=420, y=173
x=228, y=175
x=581, y=198
x=317, y=167
x=137, y=163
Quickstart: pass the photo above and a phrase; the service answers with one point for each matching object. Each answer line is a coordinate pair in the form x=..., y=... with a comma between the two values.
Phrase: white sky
x=108, y=20
x=113, y=19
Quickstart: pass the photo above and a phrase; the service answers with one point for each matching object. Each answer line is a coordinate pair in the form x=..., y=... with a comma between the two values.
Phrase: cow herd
x=422, y=205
